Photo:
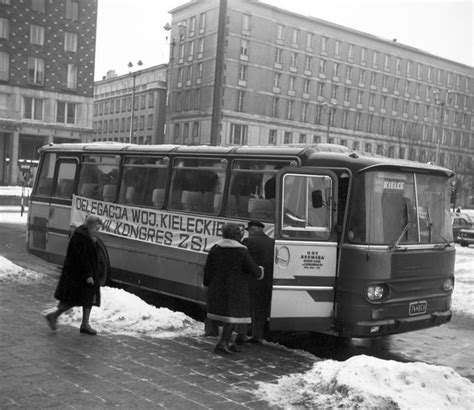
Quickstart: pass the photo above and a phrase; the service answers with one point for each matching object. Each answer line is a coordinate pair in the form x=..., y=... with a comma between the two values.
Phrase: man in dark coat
x=261, y=248
x=79, y=284
x=227, y=272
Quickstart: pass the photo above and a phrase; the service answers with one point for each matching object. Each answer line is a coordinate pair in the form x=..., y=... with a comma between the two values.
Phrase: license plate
x=417, y=308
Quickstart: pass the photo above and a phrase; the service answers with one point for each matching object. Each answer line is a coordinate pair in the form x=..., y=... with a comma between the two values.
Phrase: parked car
x=466, y=237
x=460, y=221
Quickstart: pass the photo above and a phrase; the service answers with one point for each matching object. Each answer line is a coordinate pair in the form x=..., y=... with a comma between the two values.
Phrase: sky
x=129, y=31
x=358, y=382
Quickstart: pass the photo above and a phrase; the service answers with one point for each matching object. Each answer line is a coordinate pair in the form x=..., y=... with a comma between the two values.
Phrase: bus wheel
x=463, y=244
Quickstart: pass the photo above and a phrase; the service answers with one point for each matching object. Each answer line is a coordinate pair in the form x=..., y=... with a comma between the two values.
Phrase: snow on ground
x=367, y=382
x=123, y=313
x=463, y=295
x=9, y=272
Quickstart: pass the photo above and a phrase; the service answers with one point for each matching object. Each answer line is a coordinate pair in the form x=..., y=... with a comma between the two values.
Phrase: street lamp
x=441, y=102
x=329, y=108
x=132, y=116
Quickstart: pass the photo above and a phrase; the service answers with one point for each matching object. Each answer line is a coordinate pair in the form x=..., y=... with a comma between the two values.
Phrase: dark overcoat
x=261, y=248
x=227, y=272
x=81, y=262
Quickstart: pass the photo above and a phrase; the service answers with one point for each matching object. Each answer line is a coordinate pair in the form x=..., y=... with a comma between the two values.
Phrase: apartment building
x=140, y=95
x=288, y=78
x=47, y=53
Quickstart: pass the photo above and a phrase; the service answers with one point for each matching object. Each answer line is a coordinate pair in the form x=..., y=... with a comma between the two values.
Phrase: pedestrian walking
x=261, y=248
x=227, y=272
x=83, y=271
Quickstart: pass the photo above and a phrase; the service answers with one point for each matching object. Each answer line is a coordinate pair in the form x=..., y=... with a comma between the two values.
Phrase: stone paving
x=40, y=368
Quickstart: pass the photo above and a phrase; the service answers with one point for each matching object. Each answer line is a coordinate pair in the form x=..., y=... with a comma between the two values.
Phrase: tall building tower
x=47, y=53
x=245, y=72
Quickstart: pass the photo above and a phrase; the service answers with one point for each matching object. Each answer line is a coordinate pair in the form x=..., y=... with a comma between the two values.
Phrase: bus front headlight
x=448, y=285
x=375, y=292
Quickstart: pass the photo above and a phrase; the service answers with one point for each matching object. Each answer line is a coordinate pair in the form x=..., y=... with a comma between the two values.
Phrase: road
x=449, y=345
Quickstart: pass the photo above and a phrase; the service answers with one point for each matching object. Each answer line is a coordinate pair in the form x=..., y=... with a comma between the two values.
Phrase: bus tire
x=463, y=244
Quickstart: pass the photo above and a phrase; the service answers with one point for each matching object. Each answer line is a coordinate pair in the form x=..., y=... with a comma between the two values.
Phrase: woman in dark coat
x=79, y=284
x=227, y=272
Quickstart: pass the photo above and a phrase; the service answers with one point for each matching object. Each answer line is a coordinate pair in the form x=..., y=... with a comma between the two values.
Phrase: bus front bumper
x=376, y=328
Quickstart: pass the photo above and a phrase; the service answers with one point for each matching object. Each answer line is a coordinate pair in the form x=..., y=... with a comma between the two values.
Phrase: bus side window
x=197, y=185
x=45, y=176
x=65, y=179
x=98, y=177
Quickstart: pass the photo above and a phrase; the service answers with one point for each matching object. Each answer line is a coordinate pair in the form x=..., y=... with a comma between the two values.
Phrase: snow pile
x=368, y=382
x=123, y=313
x=463, y=295
x=14, y=273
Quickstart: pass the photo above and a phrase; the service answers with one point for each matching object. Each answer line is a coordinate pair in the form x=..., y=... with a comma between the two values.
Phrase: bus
x=363, y=244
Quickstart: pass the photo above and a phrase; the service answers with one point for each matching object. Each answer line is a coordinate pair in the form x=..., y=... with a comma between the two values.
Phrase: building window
x=272, y=137
x=383, y=103
x=316, y=139
x=307, y=65
x=191, y=50
x=322, y=66
x=345, y=118
x=288, y=138
x=373, y=79
x=70, y=42
x=72, y=9
x=202, y=22
x=4, y=66
x=379, y=149
x=349, y=74
x=398, y=65
x=368, y=147
x=295, y=36
x=289, y=110
x=306, y=86
x=392, y=126
x=381, y=125
x=35, y=70
x=334, y=92
x=336, y=69
x=278, y=56
x=363, y=54
x=243, y=73
x=244, y=47
x=372, y=100
x=317, y=117
x=409, y=68
x=141, y=123
x=292, y=83
x=238, y=134
x=370, y=121
x=245, y=22
x=280, y=32
x=384, y=81
x=276, y=80
x=38, y=5
x=347, y=94
x=294, y=59
x=360, y=95
x=275, y=102
x=176, y=132
x=375, y=55
x=192, y=26
x=304, y=112
x=386, y=63
x=302, y=139
x=324, y=44
x=321, y=89
x=71, y=76
x=199, y=73
x=36, y=34
x=240, y=100
x=338, y=48
x=149, y=122
x=350, y=51
x=362, y=76
x=197, y=99
x=4, y=28
x=309, y=40
x=33, y=108
x=195, y=131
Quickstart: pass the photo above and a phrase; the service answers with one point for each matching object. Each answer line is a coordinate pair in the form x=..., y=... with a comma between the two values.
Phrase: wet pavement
x=65, y=369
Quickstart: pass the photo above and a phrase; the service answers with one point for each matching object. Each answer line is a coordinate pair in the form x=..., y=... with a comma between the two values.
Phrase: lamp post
x=441, y=102
x=132, y=116
x=329, y=109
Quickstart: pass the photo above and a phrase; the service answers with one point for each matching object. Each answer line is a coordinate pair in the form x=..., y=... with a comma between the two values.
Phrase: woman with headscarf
x=79, y=284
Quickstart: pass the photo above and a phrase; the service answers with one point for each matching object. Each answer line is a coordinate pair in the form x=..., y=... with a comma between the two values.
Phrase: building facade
x=289, y=78
x=140, y=95
x=47, y=53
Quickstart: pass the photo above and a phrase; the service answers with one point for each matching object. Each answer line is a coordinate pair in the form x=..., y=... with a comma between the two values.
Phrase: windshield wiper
x=396, y=244
x=430, y=225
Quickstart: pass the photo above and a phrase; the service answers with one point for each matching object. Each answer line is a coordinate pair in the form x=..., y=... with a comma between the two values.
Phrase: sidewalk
x=64, y=369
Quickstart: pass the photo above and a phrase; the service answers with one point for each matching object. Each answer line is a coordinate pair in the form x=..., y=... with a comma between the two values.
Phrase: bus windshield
x=393, y=208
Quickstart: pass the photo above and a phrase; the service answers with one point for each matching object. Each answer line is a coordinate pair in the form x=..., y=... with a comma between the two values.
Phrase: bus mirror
x=317, y=199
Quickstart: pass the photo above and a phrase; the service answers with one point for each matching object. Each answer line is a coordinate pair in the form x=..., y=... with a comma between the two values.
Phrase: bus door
x=65, y=174
x=305, y=250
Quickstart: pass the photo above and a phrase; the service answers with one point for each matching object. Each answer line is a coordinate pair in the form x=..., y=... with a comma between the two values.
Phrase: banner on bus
x=191, y=232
